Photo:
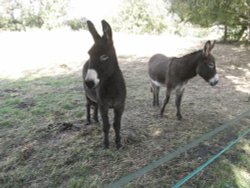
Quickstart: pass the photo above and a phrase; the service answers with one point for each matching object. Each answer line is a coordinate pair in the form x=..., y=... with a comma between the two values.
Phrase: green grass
x=233, y=169
x=31, y=153
x=34, y=155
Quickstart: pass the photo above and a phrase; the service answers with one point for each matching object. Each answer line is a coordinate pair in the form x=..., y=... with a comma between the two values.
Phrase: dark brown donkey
x=103, y=82
x=174, y=73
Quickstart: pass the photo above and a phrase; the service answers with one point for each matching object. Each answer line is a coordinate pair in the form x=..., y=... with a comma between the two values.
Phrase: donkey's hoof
x=105, y=146
x=96, y=121
x=119, y=146
x=179, y=116
x=87, y=123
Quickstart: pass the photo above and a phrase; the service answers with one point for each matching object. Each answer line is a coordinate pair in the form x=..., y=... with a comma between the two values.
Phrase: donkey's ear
x=212, y=45
x=93, y=31
x=107, y=31
x=207, y=47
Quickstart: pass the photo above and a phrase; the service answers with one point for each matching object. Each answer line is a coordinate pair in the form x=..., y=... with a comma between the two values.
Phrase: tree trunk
x=225, y=33
x=248, y=40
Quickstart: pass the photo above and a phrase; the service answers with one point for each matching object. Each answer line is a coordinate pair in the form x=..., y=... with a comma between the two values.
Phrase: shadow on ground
x=45, y=143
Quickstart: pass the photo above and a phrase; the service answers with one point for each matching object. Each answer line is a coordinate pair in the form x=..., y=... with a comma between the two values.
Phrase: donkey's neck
x=115, y=73
x=188, y=64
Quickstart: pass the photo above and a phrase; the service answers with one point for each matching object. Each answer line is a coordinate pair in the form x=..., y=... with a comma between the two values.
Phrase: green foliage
x=77, y=23
x=141, y=16
x=18, y=14
x=234, y=15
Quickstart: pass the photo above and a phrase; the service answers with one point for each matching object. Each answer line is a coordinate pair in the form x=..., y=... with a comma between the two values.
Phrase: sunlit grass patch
x=246, y=148
x=232, y=169
x=242, y=177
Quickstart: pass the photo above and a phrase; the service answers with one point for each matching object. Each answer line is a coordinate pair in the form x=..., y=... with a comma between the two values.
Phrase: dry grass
x=44, y=143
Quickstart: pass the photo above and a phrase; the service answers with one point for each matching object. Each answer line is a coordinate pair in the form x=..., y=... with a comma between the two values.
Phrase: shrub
x=77, y=23
x=141, y=16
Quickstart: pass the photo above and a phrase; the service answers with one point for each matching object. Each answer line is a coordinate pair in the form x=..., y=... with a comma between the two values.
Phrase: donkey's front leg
x=106, y=125
x=117, y=125
x=179, y=94
x=96, y=112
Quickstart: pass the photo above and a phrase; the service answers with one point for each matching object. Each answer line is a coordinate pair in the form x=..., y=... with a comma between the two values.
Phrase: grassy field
x=43, y=139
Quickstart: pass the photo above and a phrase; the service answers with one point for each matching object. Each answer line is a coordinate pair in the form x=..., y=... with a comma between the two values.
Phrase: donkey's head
x=103, y=60
x=206, y=67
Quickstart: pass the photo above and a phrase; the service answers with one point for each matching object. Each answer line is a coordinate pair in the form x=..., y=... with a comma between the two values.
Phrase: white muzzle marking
x=92, y=76
x=214, y=80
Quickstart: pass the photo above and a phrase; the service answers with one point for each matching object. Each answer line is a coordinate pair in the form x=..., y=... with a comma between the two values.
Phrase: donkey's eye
x=210, y=65
x=104, y=57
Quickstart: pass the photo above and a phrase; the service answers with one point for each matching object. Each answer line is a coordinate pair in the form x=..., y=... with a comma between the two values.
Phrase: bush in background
x=19, y=14
x=77, y=23
x=234, y=16
x=141, y=16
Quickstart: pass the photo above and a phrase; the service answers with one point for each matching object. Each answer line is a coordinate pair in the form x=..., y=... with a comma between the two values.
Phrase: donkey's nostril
x=214, y=83
x=90, y=84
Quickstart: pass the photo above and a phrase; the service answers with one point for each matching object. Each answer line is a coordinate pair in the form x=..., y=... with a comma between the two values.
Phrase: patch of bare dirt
x=74, y=126
x=11, y=90
x=26, y=103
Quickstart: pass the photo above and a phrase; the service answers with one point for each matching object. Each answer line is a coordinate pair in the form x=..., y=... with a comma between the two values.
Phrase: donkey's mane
x=187, y=56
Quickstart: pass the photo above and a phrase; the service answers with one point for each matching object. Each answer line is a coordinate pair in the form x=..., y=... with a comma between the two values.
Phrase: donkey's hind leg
x=168, y=92
x=155, y=90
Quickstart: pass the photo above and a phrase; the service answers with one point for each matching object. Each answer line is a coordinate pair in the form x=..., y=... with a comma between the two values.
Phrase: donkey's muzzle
x=91, y=79
x=90, y=84
x=213, y=81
